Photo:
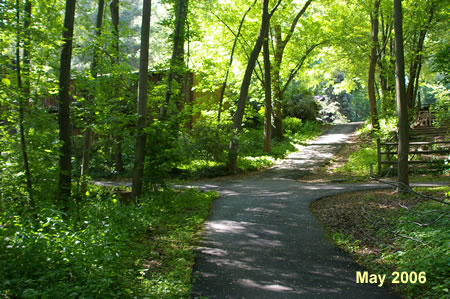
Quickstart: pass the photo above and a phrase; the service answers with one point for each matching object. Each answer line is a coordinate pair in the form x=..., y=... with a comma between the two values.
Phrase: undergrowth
x=211, y=160
x=100, y=247
x=395, y=234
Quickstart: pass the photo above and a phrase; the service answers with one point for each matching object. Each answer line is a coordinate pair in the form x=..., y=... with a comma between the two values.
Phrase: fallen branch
x=405, y=187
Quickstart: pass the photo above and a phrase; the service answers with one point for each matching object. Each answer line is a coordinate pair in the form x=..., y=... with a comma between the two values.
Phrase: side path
x=261, y=241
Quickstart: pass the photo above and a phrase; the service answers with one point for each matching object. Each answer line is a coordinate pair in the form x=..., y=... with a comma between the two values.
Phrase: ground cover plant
x=387, y=233
x=206, y=150
x=151, y=92
x=102, y=247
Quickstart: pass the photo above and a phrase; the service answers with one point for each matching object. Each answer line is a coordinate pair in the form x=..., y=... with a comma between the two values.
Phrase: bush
x=292, y=124
x=359, y=162
x=208, y=141
x=302, y=107
x=441, y=111
x=102, y=248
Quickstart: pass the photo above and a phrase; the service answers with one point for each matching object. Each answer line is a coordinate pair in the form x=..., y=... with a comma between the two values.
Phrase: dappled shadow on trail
x=261, y=241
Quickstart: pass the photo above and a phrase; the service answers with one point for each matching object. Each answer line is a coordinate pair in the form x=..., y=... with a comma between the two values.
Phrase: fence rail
x=387, y=150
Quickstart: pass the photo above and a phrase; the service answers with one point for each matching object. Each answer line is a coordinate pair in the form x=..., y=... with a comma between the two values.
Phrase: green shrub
x=303, y=107
x=441, y=111
x=102, y=248
x=292, y=124
x=210, y=142
x=359, y=162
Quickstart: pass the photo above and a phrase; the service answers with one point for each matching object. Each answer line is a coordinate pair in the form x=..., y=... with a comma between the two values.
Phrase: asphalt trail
x=261, y=240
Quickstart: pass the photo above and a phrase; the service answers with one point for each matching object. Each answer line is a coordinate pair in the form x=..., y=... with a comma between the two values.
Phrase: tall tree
x=280, y=46
x=230, y=63
x=385, y=62
x=24, y=89
x=138, y=171
x=65, y=130
x=402, y=105
x=114, y=8
x=416, y=62
x=94, y=71
x=267, y=97
x=177, y=65
x=372, y=66
x=239, y=114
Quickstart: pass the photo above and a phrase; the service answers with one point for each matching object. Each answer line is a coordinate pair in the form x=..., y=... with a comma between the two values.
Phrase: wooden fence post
x=379, y=156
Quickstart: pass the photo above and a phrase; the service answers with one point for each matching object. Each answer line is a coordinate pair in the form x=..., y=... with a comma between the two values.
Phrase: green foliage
x=165, y=149
x=292, y=125
x=303, y=107
x=209, y=141
x=299, y=132
x=420, y=235
x=101, y=247
x=207, y=145
x=360, y=161
x=441, y=110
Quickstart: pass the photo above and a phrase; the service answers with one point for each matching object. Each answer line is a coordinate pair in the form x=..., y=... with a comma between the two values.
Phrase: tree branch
x=295, y=21
x=274, y=9
x=295, y=70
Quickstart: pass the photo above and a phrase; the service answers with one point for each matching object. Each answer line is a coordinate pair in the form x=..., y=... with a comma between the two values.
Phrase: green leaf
x=6, y=81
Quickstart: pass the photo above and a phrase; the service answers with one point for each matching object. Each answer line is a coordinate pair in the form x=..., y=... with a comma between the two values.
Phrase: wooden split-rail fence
x=429, y=150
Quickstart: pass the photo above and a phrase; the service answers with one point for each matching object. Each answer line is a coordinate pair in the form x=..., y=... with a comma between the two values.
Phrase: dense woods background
x=164, y=90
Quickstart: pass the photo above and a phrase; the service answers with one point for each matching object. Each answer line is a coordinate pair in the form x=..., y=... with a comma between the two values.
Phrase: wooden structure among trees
x=429, y=148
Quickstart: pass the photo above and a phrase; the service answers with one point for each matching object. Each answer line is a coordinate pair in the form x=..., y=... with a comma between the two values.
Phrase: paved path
x=261, y=240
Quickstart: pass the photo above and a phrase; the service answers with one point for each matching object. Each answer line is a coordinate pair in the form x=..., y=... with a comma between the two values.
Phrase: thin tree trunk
x=117, y=150
x=224, y=84
x=138, y=171
x=65, y=130
x=385, y=67
x=244, y=44
x=114, y=8
x=417, y=62
x=267, y=97
x=237, y=121
x=403, y=127
x=87, y=137
x=177, y=62
x=372, y=67
x=280, y=46
x=416, y=87
x=23, y=92
x=276, y=83
x=88, y=132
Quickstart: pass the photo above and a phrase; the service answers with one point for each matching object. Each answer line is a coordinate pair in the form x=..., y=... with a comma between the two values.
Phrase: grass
x=386, y=233
x=101, y=247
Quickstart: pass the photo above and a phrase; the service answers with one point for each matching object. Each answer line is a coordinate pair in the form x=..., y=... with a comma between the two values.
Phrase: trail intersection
x=261, y=240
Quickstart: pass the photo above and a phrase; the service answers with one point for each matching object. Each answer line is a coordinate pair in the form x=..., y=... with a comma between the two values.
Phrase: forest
x=108, y=107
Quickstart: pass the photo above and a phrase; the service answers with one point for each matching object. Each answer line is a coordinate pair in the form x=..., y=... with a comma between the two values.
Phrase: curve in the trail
x=261, y=240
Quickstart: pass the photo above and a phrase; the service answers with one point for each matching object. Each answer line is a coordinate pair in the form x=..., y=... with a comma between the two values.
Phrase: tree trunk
x=237, y=121
x=230, y=63
x=138, y=171
x=276, y=85
x=403, y=127
x=65, y=130
x=24, y=92
x=117, y=148
x=87, y=137
x=372, y=67
x=177, y=65
x=387, y=73
x=88, y=132
x=267, y=98
x=280, y=46
x=114, y=8
x=416, y=63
